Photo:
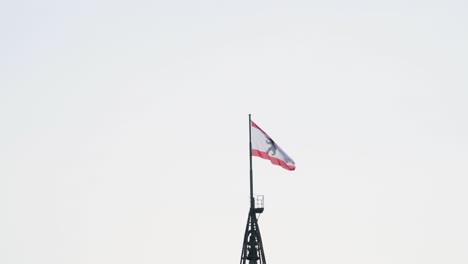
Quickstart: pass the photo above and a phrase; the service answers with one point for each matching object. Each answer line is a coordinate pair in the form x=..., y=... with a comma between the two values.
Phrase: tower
x=252, y=248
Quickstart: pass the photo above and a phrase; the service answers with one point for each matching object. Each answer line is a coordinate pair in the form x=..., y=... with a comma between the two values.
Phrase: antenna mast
x=252, y=248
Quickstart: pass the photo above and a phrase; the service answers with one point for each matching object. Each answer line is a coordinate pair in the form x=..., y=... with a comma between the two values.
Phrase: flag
x=264, y=147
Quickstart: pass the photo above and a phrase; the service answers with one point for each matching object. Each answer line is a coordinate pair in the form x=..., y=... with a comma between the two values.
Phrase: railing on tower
x=259, y=203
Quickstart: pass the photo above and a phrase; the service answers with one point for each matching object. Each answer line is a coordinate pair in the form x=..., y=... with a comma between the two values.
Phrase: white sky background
x=124, y=130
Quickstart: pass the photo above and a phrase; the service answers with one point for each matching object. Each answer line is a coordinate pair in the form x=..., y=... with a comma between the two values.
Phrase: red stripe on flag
x=257, y=127
x=273, y=160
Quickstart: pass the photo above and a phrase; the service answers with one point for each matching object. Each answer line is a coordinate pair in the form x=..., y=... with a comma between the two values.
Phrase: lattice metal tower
x=252, y=248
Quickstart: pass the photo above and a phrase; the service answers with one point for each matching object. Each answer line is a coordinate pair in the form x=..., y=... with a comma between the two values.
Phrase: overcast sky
x=124, y=130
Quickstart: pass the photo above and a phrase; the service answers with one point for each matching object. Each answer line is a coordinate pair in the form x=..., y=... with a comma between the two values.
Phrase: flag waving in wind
x=264, y=147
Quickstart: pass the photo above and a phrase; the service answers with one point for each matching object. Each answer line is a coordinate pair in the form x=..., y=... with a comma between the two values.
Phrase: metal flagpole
x=252, y=203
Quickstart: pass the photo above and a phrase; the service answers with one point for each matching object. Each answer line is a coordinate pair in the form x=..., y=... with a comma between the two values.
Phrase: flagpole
x=252, y=204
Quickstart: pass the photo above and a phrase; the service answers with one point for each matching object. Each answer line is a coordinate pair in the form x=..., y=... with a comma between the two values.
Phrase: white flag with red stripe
x=264, y=147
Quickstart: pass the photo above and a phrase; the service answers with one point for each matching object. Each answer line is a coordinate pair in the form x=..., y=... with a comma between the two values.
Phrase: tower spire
x=252, y=248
